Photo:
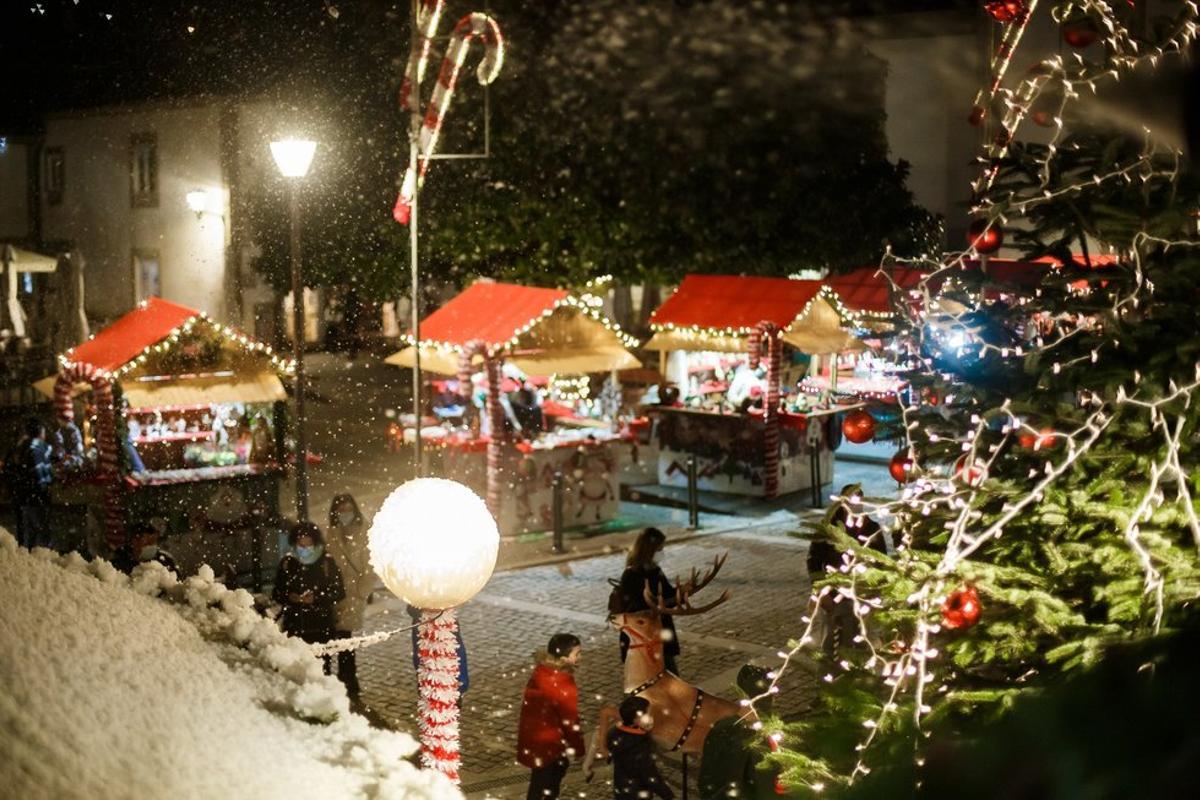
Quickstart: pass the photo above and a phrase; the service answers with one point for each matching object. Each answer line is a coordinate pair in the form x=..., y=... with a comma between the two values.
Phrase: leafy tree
x=652, y=140
x=1056, y=453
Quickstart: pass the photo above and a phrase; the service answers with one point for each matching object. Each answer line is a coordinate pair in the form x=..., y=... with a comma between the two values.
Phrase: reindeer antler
x=684, y=591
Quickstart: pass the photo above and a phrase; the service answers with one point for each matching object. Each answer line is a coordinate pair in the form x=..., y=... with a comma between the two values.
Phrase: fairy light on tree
x=1069, y=523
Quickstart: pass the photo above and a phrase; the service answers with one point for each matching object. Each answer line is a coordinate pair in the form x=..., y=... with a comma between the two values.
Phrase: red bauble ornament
x=1043, y=440
x=1042, y=117
x=859, y=427
x=1005, y=10
x=1080, y=33
x=976, y=116
x=901, y=467
x=972, y=475
x=961, y=608
x=985, y=237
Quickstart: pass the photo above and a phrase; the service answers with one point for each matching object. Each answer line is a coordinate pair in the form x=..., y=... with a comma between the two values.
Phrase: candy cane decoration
x=70, y=374
x=495, y=412
x=437, y=682
x=429, y=14
x=473, y=26
x=770, y=332
x=1009, y=40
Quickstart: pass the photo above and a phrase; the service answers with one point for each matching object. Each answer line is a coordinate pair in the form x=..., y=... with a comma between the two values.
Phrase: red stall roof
x=491, y=312
x=735, y=302
x=124, y=340
x=868, y=288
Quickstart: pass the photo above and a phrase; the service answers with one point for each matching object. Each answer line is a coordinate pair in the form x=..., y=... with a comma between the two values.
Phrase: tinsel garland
x=437, y=682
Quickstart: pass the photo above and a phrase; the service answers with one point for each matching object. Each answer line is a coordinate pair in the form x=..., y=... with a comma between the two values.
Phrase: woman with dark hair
x=641, y=571
x=308, y=586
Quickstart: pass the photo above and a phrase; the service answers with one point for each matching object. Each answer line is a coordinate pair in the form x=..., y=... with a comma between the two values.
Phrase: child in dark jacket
x=635, y=773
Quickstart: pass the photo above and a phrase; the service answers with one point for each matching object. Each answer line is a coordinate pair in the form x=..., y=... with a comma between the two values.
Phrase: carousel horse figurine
x=683, y=714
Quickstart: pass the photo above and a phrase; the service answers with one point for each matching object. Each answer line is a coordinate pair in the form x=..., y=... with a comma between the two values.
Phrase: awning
x=570, y=361
x=820, y=331
x=262, y=387
x=687, y=339
x=442, y=361
x=575, y=361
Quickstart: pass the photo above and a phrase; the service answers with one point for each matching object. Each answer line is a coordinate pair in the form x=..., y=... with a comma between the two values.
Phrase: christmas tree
x=1050, y=526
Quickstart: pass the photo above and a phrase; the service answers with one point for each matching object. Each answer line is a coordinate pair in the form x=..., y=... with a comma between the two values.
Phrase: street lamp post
x=293, y=157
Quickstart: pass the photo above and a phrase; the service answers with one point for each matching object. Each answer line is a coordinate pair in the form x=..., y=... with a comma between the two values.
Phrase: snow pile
x=150, y=687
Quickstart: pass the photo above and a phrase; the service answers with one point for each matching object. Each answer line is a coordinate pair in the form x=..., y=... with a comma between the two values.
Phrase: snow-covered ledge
x=146, y=686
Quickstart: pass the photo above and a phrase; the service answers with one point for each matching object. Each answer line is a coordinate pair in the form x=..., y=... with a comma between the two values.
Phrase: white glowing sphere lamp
x=434, y=543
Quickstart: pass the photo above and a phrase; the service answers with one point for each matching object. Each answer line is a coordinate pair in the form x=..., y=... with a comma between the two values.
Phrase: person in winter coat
x=733, y=763
x=346, y=544
x=635, y=772
x=29, y=473
x=308, y=586
x=549, y=735
x=641, y=568
x=836, y=624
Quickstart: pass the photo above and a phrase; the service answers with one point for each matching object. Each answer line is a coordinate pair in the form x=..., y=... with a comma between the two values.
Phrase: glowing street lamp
x=294, y=157
x=434, y=544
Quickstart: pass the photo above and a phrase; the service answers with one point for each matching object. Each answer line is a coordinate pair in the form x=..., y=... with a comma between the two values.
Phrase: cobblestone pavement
x=518, y=611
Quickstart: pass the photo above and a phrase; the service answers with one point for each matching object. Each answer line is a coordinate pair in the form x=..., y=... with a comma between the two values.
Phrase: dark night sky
x=79, y=53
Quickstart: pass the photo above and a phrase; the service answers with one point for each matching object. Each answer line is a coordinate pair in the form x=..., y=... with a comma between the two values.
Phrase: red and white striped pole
x=437, y=682
x=769, y=332
x=472, y=26
x=70, y=374
x=494, y=410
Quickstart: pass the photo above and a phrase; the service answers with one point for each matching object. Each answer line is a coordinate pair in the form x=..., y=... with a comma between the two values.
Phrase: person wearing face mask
x=308, y=586
x=141, y=548
x=347, y=546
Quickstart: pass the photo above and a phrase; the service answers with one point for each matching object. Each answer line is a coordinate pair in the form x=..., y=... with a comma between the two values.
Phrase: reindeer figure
x=683, y=713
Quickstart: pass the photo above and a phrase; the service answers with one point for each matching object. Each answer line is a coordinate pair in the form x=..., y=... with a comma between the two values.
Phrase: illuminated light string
x=1117, y=41
x=827, y=293
x=588, y=308
x=908, y=669
x=285, y=365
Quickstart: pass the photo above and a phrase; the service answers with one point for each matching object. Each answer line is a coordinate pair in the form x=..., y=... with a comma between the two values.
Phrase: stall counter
x=730, y=450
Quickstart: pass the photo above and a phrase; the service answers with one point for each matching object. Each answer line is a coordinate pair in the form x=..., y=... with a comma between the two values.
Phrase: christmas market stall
x=721, y=340
x=868, y=299
x=520, y=404
x=182, y=427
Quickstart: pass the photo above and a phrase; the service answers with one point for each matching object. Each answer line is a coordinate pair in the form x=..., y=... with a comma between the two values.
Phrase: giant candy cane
x=472, y=26
x=70, y=374
x=770, y=332
x=429, y=14
x=495, y=412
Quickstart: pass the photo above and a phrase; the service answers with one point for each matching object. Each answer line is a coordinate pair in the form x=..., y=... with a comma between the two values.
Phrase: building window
x=146, y=277
x=143, y=170
x=54, y=178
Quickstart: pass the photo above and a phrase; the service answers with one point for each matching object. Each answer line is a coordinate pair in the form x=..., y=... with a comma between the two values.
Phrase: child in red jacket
x=549, y=732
